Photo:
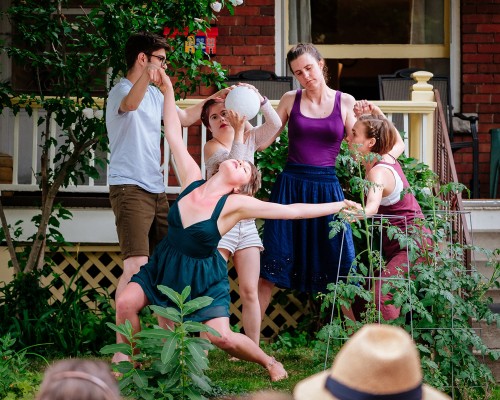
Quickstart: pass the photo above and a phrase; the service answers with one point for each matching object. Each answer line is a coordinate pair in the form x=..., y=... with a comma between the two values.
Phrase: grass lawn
x=230, y=378
x=236, y=378
x=240, y=377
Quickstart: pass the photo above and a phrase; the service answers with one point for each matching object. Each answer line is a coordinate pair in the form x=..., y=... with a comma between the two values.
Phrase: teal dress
x=189, y=257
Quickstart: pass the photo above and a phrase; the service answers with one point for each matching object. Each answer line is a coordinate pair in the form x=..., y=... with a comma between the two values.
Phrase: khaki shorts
x=243, y=235
x=140, y=218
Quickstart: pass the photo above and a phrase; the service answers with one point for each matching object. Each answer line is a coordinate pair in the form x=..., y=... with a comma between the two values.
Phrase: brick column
x=480, y=32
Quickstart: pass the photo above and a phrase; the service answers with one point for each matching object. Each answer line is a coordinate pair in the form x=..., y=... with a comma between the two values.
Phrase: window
x=361, y=39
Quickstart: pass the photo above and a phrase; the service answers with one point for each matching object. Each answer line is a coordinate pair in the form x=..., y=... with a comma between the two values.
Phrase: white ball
x=244, y=101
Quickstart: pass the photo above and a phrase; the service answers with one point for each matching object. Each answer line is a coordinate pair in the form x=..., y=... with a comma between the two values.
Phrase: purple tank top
x=315, y=141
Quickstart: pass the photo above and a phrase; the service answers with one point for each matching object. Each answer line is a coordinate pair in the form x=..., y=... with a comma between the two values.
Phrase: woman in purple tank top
x=373, y=133
x=301, y=255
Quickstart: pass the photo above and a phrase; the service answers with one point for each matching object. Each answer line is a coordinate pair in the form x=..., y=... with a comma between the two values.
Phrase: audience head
x=379, y=128
x=378, y=360
x=143, y=42
x=78, y=379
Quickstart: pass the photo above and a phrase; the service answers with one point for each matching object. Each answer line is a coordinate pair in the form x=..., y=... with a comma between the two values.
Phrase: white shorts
x=243, y=235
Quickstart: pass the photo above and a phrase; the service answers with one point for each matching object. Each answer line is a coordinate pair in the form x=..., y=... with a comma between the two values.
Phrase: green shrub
x=173, y=360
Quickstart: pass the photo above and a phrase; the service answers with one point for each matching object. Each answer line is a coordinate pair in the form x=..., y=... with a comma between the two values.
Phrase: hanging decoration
x=207, y=40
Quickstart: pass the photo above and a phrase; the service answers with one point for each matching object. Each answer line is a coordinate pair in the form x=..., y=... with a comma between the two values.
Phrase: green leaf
x=169, y=313
x=196, y=304
x=169, y=349
x=185, y=293
x=198, y=354
x=117, y=348
x=201, y=381
x=171, y=294
x=140, y=379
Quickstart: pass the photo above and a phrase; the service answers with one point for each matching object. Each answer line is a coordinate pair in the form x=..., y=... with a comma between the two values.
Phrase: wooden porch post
x=422, y=126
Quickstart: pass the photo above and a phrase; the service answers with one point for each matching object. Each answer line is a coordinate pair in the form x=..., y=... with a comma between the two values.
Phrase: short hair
x=143, y=42
x=382, y=130
x=78, y=379
x=205, y=111
x=254, y=183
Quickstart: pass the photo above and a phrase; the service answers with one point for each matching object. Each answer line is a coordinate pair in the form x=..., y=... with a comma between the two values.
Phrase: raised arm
x=190, y=115
x=283, y=111
x=188, y=168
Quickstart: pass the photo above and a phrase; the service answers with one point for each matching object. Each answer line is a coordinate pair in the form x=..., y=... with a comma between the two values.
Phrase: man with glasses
x=133, y=120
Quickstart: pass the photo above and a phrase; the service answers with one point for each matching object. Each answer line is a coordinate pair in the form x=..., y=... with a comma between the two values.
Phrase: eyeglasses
x=163, y=60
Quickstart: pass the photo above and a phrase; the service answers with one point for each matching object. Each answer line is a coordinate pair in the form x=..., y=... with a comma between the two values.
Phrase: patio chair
x=398, y=87
x=267, y=82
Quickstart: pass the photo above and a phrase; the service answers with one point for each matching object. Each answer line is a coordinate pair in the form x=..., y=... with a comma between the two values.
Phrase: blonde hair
x=78, y=379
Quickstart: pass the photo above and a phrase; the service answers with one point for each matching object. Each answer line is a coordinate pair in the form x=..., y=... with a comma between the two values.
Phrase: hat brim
x=313, y=387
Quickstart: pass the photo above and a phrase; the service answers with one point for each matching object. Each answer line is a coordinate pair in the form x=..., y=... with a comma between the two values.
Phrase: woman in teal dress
x=188, y=256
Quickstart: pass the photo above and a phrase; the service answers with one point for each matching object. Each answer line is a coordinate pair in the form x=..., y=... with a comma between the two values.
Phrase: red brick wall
x=246, y=39
x=480, y=47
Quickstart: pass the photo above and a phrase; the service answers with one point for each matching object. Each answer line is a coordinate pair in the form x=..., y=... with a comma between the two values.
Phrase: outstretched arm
x=188, y=168
x=240, y=207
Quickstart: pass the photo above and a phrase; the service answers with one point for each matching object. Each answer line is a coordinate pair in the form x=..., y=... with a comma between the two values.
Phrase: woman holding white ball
x=242, y=241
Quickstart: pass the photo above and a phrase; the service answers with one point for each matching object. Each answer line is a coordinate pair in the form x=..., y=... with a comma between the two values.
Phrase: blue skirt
x=298, y=254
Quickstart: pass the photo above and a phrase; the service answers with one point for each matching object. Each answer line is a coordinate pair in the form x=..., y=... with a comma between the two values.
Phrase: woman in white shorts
x=243, y=241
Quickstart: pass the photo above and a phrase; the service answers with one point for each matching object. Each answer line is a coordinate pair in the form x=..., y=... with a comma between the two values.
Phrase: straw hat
x=378, y=360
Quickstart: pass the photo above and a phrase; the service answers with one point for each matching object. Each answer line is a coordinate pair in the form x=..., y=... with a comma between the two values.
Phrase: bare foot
x=276, y=370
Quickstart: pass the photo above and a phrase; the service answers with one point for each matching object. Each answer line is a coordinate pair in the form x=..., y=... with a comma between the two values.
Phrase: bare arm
x=240, y=207
x=348, y=103
x=134, y=97
x=190, y=115
x=188, y=169
x=382, y=183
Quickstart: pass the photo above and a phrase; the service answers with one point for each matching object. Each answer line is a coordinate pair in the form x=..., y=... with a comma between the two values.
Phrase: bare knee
x=223, y=342
x=249, y=293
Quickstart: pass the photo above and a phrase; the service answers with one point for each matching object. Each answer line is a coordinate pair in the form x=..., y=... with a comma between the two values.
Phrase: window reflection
x=367, y=22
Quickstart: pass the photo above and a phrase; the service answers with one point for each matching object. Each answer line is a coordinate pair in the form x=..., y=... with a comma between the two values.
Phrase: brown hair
x=253, y=185
x=205, y=111
x=382, y=130
x=143, y=42
x=305, y=48
x=78, y=379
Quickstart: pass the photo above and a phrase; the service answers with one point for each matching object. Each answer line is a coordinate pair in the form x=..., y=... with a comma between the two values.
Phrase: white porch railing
x=20, y=138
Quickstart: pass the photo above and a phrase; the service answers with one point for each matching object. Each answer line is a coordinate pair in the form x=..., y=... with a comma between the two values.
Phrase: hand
x=261, y=98
x=166, y=83
x=154, y=73
x=363, y=107
x=237, y=121
x=222, y=93
x=353, y=211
